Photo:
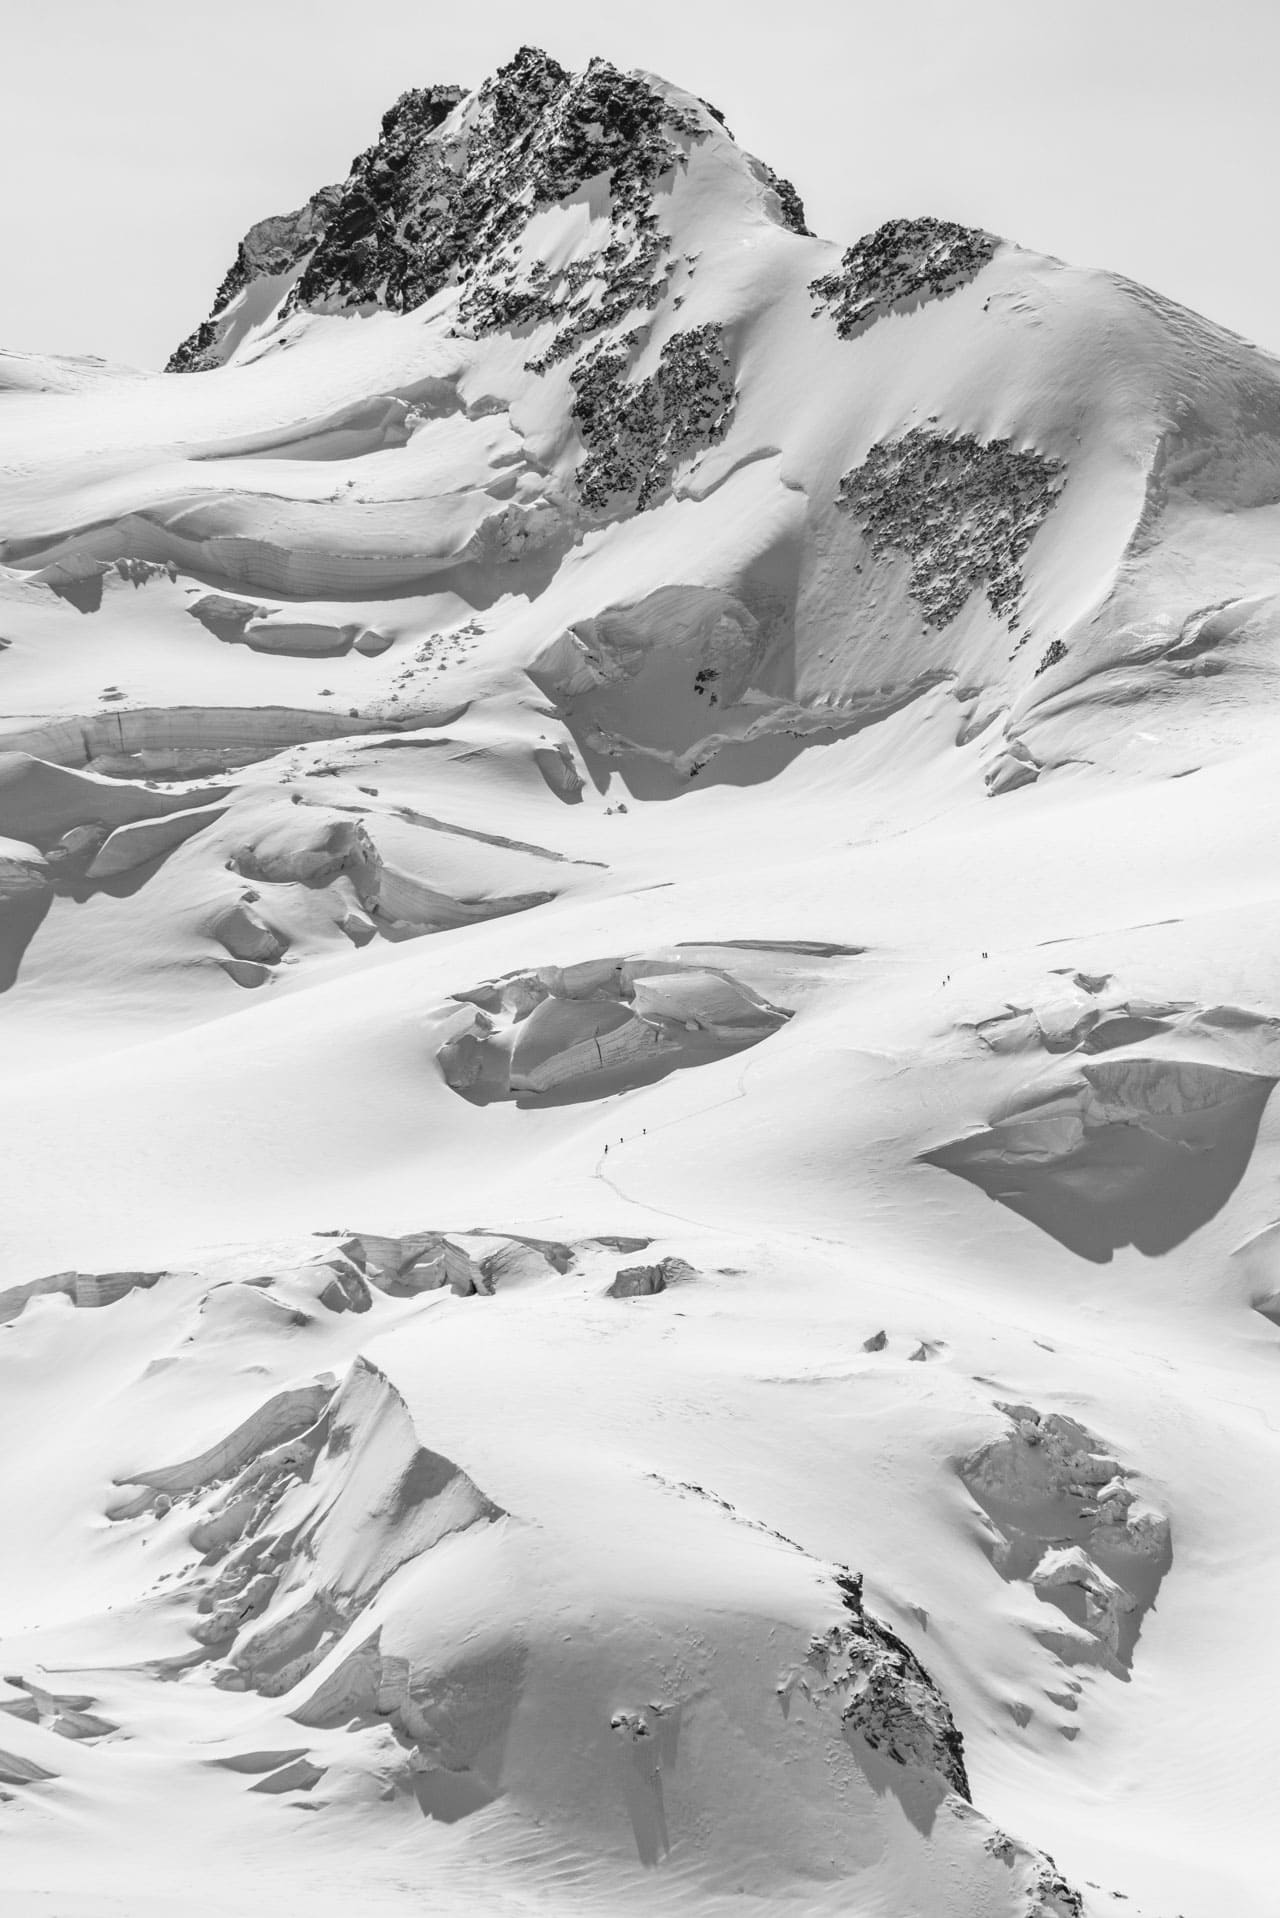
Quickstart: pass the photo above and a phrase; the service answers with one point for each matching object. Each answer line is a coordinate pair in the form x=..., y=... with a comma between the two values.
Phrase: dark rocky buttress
x=431, y=205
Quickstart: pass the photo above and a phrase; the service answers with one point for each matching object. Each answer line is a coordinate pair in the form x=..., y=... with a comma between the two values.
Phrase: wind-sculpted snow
x=257, y=540
x=590, y=1030
x=278, y=1421
x=963, y=511
x=1080, y=1011
x=320, y=848
x=23, y=869
x=1132, y=1151
x=251, y=873
x=65, y=1714
x=287, y=1585
x=84, y=1289
x=42, y=800
x=680, y=686
x=360, y=1621
x=134, y=845
x=1065, y=1519
x=402, y=1634
x=900, y=265
x=186, y=742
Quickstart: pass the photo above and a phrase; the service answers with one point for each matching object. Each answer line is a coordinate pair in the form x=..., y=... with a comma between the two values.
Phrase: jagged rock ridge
x=445, y=195
x=882, y=1692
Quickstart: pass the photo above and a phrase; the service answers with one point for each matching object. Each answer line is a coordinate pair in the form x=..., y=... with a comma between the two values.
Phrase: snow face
x=581, y=789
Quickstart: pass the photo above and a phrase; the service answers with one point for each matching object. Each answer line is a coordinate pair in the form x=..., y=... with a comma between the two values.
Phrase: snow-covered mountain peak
x=638, y=998
x=446, y=194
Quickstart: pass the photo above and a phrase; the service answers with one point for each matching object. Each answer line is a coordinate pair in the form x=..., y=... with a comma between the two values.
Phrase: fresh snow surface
x=608, y=1032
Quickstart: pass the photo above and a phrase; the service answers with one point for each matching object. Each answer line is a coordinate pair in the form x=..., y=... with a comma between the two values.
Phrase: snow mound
x=601, y=1026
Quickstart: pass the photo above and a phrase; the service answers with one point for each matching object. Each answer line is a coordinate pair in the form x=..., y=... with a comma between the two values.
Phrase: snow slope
x=582, y=785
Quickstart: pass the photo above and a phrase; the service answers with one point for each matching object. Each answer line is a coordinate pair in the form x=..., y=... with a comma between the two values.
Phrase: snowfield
x=640, y=985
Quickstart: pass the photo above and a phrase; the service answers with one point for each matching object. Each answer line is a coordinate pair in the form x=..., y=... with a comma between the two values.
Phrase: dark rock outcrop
x=790, y=205
x=444, y=195
x=637, y=1282
x=883, y=1693
x=963, y=510
x=901, y=264
x=419, y=209
x=643, y=1281
x=637, y=432
x=267, y=250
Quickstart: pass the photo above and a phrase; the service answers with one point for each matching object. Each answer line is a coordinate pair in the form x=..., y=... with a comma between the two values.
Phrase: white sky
x=140, y=138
